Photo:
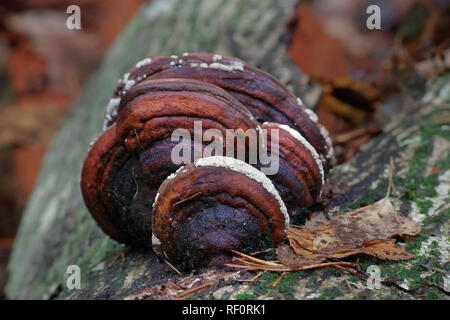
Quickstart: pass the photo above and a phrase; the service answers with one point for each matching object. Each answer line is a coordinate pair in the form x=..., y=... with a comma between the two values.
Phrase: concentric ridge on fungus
x=128, y=162
x=297, y=135
x=265, y=97
x=195, y=214
x=249, y=171
x=300, y=175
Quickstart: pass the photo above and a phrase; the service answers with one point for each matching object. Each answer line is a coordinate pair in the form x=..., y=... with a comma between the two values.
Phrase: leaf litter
x=319, y=243
x=368, y=230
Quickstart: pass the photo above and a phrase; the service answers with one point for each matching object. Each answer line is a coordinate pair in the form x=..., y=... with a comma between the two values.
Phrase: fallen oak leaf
x=316, y=219
x=382, y=249
x=387, y=250
x=365, y=230
x=290, y=258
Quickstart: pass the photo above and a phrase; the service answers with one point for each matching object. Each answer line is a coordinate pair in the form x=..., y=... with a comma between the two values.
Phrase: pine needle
x=193, y=290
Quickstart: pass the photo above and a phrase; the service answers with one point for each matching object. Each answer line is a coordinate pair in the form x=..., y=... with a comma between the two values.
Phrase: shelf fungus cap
x=262, y=94
x=300, y=177
x=154, y=108
x=215, y=205
x=98, y=169
x=128, y=162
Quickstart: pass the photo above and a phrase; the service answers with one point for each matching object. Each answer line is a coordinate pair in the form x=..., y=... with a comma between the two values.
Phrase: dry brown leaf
x=387, y=250
x=365, y=230
x=316, y=219
x=289, y=258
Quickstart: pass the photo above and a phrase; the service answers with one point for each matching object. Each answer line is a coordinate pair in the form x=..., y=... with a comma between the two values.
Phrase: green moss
x=418, y=163
x=430, y=127
x=411, y=271
x=435, y=253
x=353, y=278
x=417, y=284
x=438, y=219
x=364, y=294
x=436, y=279
x=414, y=245
x=366, y=261
x=329, y=294
x=286, y=285
x=225, y=296
x=371, y=196
x=396, y=272
x=424, y=205
x=414, y=186
x=392, y=297
x=248, y=295
x=263, y=282
x=418, y=188
x=261, y=285
x=432, y=294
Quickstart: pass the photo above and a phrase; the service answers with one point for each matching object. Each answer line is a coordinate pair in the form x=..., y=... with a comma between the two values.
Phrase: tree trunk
x=57, y=231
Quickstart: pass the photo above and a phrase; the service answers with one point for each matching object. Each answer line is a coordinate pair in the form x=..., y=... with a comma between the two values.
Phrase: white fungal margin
x=312, y=115
x=127, y=85
x=172, y=175
x=91, y=144
x=156, y=244
x=230, y=66
x=326, y=136
x=124, y=78
x=251, y=172
x=143, y=62
x=111, y=111
x=156, y=199
x=155, y=240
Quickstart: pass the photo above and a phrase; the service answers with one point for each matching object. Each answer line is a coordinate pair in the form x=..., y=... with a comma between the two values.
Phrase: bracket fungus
x=211, y=205
x=131, y=158
x=300, y=176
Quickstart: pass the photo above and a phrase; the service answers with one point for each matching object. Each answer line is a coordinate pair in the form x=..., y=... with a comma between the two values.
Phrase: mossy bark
x=57, y=230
